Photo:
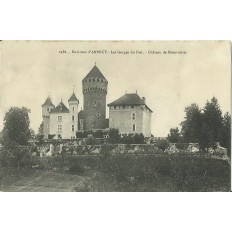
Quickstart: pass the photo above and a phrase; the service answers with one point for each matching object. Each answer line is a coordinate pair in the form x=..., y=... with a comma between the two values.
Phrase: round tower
x=46, y=109
x=94, y=88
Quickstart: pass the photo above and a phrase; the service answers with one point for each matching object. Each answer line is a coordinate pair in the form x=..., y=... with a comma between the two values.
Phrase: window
x=59, y=127
x=134, y=127
x=72, y=118
x=81, y=124
x=59, y=118
x=115, y=107
x=133, y=116
x=73, y=108
x=72, y=127
x=95, y=103
x=48, y=109
x=98, y=114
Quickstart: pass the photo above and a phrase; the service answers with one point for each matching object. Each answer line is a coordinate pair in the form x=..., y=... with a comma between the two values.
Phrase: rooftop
x=61, y=108
x=95, y=72
x=48, y=102
x=73, y=98
x=129, y=99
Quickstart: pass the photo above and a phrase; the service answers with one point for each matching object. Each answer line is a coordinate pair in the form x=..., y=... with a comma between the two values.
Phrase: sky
x=169, y=74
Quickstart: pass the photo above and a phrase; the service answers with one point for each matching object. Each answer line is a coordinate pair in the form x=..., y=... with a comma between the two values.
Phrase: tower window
x=133, y=116
x=59, y=118
x=134, y=127
x=95, y=103
x=115, y=107
x=89, y=80
x=72, y=118
x=72, y=127
x=81, y=124
x=48, y=109
x=59, y=127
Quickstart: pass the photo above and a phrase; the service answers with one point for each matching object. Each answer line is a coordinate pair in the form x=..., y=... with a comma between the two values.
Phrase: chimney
x=144, y=100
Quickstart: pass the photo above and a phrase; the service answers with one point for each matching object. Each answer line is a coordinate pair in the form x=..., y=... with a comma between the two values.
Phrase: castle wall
x=66, y=123
x=146, y=123
x=122, y=119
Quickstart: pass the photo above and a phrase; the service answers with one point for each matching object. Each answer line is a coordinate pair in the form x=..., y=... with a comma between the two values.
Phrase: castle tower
x=46, y=108
x=94, y=88
x=73, y=109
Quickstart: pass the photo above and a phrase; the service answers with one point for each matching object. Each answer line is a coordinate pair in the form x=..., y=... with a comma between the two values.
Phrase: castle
x=128, y=114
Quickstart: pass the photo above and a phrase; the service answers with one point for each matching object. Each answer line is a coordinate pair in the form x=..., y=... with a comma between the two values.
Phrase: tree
x=16, y=126
x=191, y=127
x=174, y=135
x=212, y=123
x=40, y=134
x=113, y=136
x=226, y=132
x=32, y=133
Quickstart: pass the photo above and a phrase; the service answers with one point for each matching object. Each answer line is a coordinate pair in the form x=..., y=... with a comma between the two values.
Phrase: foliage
x=16, y=126
x=91, y=141
x=206, y=126
x=226, y=132
x=174, y=135
x=40, y=134
x=212, y=123
x=132, y=138
x=191, y=127
x=32, y=134
x=113, y=136
x=162, y=144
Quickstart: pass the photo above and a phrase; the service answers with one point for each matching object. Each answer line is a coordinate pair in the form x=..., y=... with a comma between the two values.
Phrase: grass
x=28, y=180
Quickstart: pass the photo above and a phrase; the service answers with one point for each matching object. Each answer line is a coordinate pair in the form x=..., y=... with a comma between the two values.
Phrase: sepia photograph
x=115, y=116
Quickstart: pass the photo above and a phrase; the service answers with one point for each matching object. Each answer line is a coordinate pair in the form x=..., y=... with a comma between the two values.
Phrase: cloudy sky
x=171, y=75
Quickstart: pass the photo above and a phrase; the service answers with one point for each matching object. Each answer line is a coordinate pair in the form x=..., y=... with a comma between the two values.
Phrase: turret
x=73, y=109
x=46, y=109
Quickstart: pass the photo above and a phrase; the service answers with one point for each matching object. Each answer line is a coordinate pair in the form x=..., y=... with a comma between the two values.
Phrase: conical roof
x=48, y=102
x=73, y=98
x=95, y=72
x=61, y=108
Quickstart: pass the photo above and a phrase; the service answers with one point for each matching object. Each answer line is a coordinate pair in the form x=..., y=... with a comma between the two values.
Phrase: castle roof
x=95, y=72
x=73, y=98
x=48, y=102
x=129, y=99
x=61, y=108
